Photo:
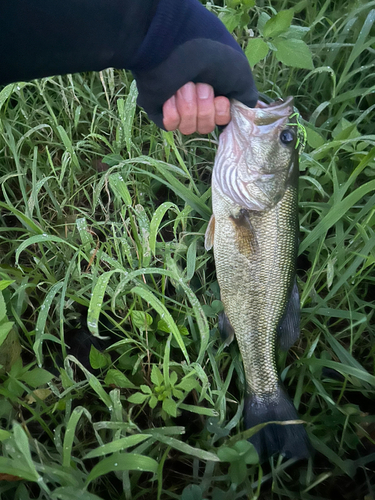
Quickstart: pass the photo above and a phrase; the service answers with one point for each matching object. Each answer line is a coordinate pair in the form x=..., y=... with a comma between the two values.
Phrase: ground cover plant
x=102, y=234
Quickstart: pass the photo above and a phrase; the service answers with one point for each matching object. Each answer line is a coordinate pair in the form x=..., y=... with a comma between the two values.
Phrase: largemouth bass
x=254, y=234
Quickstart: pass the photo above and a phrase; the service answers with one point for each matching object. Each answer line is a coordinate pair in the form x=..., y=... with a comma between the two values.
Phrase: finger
x=222, y=110
x=206, y=108
x=186, y=101
x=171, y=117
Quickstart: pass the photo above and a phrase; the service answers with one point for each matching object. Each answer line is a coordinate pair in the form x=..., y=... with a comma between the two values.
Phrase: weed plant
x=114, y=381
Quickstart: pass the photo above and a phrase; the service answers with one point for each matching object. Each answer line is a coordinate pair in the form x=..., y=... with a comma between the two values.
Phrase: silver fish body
x=254, y=233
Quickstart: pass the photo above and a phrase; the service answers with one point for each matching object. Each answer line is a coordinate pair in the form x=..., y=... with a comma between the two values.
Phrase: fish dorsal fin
x=210, y=233
x=288, y=330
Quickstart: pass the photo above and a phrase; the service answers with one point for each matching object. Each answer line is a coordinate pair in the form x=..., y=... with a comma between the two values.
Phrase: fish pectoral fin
x=245, y=235
x=289, y=329
x=225, y=328
x=210, y=233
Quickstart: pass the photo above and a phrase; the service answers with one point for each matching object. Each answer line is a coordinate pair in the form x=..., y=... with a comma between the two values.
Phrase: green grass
x=102, y=227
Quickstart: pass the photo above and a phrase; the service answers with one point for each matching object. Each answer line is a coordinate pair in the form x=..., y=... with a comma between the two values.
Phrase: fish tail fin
x=290, y=440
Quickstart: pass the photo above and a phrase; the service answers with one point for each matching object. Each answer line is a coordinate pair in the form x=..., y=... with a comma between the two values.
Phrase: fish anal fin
x=246, y=239
x=289, y=329
x=225, y=328
x=210, y=234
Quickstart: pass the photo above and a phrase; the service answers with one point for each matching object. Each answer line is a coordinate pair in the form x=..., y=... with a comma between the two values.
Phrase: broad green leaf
x=227, y=454
x=170, y=407
x=145, y=389
x=5, y=328
x=3, y=310
x=173, y=378
x=293, y=52
x=177, y=394
x=123, y=462
x=247, y=452
x=5, y=283
x=117, y=445
x=141, y=319
x=192, y=492
x=156, y=376
x=188, y=384
x=191, y=258
x=4, y=435
x=231, y=20
x=153, y=402
x=256, y=50
x=163, y=327
x=238, y=472
x=278, y=24
x=217, y=306
x=183, y=330
x=263, y=18
x=36, y=377
x=138, y=398
x=99, y=359
x=297, y=32
x=117, y=378
x=314, y=139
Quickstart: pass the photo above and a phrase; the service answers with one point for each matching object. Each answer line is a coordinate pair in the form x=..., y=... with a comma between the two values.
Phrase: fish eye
x=287, y=136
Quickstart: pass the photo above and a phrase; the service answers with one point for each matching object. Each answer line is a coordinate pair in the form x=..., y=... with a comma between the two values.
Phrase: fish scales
x=254, y=233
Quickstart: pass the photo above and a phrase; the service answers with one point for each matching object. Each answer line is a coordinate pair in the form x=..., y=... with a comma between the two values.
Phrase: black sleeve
x=165, y=43
x=185, y=42
x=52, y=37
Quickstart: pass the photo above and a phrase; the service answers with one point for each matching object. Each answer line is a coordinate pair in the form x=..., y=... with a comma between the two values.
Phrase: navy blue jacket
x=165, y=43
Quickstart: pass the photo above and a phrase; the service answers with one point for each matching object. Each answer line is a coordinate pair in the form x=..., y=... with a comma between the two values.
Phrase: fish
x=254, y=234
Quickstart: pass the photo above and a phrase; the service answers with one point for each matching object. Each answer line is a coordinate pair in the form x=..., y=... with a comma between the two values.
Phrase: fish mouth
x=265, y=114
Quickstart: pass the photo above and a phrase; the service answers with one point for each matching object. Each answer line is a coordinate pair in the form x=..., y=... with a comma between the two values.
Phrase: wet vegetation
x=115, y=383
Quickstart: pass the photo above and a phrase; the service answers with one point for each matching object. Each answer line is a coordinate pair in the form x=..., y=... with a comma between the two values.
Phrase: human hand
x=187, y=43
x=194, y=108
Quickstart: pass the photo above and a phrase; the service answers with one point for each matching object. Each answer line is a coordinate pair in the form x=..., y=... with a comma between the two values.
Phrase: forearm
x=48, y=37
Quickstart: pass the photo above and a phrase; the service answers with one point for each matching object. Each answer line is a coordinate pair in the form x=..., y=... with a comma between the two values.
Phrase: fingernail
x=188, y=91
x=203, y=91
